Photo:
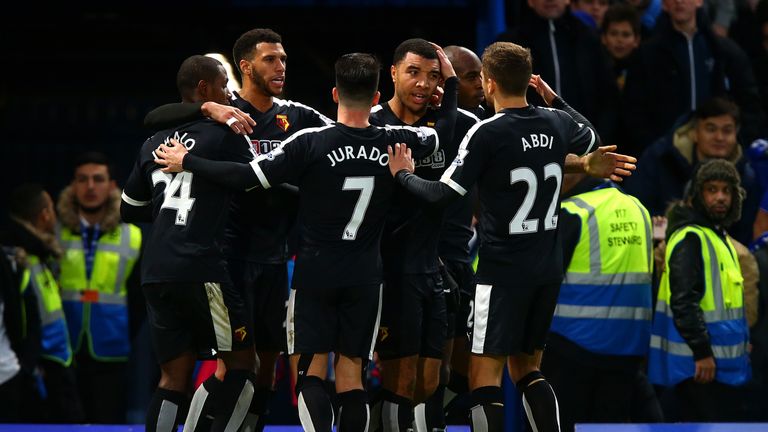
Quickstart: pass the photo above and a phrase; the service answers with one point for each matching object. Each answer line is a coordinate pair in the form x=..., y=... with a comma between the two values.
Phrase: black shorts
x=464, y=276
x=265, y=290
x=334, y=319
x=197, y=317
x=510, y=316
x=413, y=318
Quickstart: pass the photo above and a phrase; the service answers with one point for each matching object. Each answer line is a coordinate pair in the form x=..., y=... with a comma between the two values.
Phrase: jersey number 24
x=176, y=193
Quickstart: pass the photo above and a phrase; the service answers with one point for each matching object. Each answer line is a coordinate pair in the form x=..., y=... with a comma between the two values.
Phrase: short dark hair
x=93, y=157
x=716, y=107
x=417, y=46
x=357, y=78
x=510, y=65
x=192, y=70
x=26, y=201
x=246, y=43
x=621, y=12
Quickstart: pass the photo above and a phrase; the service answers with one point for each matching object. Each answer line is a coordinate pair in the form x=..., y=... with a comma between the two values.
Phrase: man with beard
x=700, y=337
x=96, y=278
x=260, y=220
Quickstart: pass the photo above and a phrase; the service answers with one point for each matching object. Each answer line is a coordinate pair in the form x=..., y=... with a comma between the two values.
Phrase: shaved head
x=467, y=66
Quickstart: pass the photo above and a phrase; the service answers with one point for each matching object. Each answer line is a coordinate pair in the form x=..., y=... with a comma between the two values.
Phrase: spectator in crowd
x=682, y=65
x=32, y=228
x=100, y=254
x=649, y=11
x=620, y=36
x=602, y=322
x=700, y=337
x=666, y=166
x=567, y=54
x=590, y=12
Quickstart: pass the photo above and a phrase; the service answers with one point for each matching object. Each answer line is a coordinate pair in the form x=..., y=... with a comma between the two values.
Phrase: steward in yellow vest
x=32, y=228
x=99, y=258
x=601, y=325
x=700, y=334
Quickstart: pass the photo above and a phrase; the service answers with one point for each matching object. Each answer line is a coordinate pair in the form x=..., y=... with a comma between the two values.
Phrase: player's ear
x=393, y=72
x=376, y=98
x=245, y=67
x=335, y=94
x=202, y=86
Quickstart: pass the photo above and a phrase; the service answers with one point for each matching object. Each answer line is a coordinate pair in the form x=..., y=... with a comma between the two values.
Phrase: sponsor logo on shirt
x=436, y=161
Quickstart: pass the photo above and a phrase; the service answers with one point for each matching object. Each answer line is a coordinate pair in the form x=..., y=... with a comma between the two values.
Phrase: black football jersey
x=412, y=231
x=516, y=158
x=189, y=212
x=457, y=231
x=346, y=192
x=261, y=219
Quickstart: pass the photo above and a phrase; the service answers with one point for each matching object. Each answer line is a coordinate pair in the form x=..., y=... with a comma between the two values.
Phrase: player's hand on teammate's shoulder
x=170, y=156
x=605, y=163
x=400, y=159
x=543, y=89
x=239, y=121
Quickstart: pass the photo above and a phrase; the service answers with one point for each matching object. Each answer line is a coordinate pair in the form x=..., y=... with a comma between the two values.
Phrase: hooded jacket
x=22, y=317
x=664, y=169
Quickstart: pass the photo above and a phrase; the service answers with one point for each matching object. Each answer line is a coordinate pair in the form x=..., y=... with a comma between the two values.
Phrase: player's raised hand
x=239, y=121
x=604, y=163
x=400, y=159
x=446, y=68
x=542, y=88
x=170, y=156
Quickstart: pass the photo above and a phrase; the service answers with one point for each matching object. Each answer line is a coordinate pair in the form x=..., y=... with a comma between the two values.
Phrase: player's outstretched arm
x=401, y=166
x=234, y=175
x=602, y=163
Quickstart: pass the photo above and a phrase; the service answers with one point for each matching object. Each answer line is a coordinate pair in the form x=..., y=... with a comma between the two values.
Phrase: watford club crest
x=282, y=122
x=240, y=333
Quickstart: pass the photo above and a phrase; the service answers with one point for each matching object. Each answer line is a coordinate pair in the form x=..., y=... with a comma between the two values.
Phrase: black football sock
x=487, y=413
x=396, y=412
x=233, y=399
x=434, y=412
x=539, y=402
x=200, y=417
x=255, y=419
x=165, y=411
x=315, y=409
x=354, y=412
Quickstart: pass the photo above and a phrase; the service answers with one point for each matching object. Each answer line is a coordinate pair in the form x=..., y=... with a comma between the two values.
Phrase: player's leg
x=229, y=332
x=311, y=330
x=202, y=406
x=173, y=342
x=457, y=388
x=539, y=399
x=434, y=333
x=359, y=316
x=399, y=344
x=265, y=290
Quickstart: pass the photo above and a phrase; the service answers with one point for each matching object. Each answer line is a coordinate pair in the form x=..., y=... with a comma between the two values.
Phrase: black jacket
x=586, y=78
x=21, y=316
x=686, y=279
x=658, y=85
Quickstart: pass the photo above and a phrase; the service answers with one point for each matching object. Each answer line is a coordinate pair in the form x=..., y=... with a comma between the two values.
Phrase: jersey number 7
x=365, y=186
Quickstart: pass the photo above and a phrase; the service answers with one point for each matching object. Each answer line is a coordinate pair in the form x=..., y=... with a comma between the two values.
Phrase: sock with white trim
x=165, y=411
x=315, y=409
x=232, y=400
x=396, y=412
x=487, y=413
x=201, y=408
x=354, y=412
x=539, y=402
